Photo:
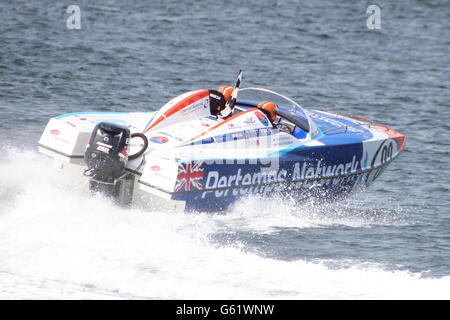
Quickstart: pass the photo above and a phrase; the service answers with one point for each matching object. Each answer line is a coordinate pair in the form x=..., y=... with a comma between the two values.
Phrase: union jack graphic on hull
x=190, y=176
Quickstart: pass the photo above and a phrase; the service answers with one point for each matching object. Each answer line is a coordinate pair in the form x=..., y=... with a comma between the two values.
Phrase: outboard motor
x=107, y=152
x=106, y=157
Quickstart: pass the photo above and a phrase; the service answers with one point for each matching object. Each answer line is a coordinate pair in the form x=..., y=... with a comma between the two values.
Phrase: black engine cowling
x=107, y=152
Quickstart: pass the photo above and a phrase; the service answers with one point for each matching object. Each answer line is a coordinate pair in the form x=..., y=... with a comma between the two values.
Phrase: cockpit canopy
x=286, y=108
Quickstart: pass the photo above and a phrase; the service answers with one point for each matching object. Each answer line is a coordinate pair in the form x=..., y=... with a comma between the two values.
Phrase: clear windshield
x=286, y=108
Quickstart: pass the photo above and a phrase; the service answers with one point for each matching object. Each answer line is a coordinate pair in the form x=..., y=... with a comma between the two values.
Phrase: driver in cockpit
x=267, y=107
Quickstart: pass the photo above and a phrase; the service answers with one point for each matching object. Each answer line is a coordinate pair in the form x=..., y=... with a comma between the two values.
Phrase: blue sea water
x=389, y=242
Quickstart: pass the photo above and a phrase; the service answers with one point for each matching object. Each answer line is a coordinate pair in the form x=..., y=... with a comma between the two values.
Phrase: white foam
x=56, y=241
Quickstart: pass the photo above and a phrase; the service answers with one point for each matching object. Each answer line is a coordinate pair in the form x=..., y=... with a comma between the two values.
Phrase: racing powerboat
x=185, y=157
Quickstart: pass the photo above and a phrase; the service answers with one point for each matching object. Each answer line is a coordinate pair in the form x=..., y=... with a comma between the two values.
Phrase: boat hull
x=322, y=174
x=346, y=155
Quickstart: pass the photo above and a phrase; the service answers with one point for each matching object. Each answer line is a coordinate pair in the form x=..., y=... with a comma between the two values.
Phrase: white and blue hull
x=202, y=164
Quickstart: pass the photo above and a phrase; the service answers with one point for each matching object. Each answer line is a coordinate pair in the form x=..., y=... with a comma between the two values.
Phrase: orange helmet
x=269, y=108
x=226, y=91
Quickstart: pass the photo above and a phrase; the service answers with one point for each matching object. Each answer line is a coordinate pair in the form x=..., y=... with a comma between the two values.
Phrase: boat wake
x=58, y=241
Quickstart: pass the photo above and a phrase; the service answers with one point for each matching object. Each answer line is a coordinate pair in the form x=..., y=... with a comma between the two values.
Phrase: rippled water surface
x=391, y=241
